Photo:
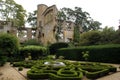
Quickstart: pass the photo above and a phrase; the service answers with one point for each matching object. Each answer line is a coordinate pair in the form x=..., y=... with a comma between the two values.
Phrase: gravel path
x=9, y=73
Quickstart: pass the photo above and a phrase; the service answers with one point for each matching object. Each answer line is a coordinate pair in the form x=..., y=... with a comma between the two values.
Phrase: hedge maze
x=72, y=71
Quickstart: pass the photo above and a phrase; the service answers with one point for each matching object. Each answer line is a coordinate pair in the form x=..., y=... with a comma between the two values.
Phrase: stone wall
x=46, y=21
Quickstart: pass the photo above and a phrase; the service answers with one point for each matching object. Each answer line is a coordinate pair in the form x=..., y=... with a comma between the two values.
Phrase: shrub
x=37, y=75
x=31, y=42
x=90, y=38
x=100, y=53
x=56, y=77
x=94, y=75
x=67, y=73
x=20, y=68
x=8, y=44
x=72, y=71
x=35, y=51
x=54, y=47
x=3, y=59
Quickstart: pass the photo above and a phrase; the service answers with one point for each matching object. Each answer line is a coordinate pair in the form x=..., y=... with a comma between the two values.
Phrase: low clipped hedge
x=26, y=64
x=94, y=75
x=55, y=46
x=35, y=51
x=67, y=73
x=72, y=71
x=37, y=75
x=98, y=53
x=56, y=77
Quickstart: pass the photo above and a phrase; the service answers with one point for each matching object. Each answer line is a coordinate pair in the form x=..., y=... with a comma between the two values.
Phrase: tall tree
x=80, y=18
x=32, y=18
x=94, y=25
x=13, y=12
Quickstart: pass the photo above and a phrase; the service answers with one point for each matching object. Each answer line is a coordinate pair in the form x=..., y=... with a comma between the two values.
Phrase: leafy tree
x=11, y=11
x=76, y=36
x=90, y=38
x=8, y=44
x=80, y=18
x=94, y=25
x=32, y=18
x=60, y=19
x=116, y=39
x=107, y=35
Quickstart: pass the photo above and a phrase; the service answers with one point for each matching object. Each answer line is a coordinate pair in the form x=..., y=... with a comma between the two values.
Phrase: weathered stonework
x=46, y=25
x=7, y=27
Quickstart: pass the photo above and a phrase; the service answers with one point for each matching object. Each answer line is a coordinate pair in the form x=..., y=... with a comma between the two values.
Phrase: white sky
x=105, y=11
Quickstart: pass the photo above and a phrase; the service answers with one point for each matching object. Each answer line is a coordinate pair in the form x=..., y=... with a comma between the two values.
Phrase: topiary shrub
x=34, y=51
x=55, y=46
x=3, y=59
x=9, y=44
x=20, y=68
x=31, y=42
x=94, y=75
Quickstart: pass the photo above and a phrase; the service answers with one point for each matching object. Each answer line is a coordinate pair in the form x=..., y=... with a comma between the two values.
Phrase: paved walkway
x=114, y=76
x=9, y=73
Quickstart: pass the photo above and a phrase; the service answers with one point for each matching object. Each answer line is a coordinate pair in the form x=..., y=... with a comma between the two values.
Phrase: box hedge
x=56, y=77
x=94, y=75
x=55, y=46
x=34, y=51
x=98, y=53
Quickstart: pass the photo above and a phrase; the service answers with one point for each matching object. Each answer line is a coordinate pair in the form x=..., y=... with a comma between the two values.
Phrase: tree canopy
x=13, y=12
x=32, y=18
x=79, y=17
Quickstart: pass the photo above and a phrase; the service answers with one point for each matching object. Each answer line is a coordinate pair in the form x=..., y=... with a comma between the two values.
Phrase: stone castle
x=46, y=29
x=47, y=23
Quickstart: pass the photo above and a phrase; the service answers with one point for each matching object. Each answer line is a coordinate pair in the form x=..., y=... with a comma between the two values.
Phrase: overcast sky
x=105, y=11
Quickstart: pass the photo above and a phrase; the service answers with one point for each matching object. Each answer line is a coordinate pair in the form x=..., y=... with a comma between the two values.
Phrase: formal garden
x=59, y=61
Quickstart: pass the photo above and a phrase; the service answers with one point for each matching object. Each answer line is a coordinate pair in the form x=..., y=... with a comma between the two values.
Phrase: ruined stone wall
x=47, y=23
x=6, y=27
x=46, y=20
x=40, y=10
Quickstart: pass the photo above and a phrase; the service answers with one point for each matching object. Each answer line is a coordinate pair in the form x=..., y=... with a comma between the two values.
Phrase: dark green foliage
x=100, y=53
x=26, y=64
x=94, y=75
x=72, y=71
x=90, y=38
x=116, y=39
x=31, y=42
x=53, y=73
x=107, y=35
x=20, y=68
x=8, y=44
x=76, y=37
x=3, y=59
x=55, y=46
x=8, y=47
x=104, y=36
x=34, y=51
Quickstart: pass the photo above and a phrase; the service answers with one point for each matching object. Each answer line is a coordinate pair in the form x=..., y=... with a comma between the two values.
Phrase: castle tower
x=46, y=21
x=40, y=9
